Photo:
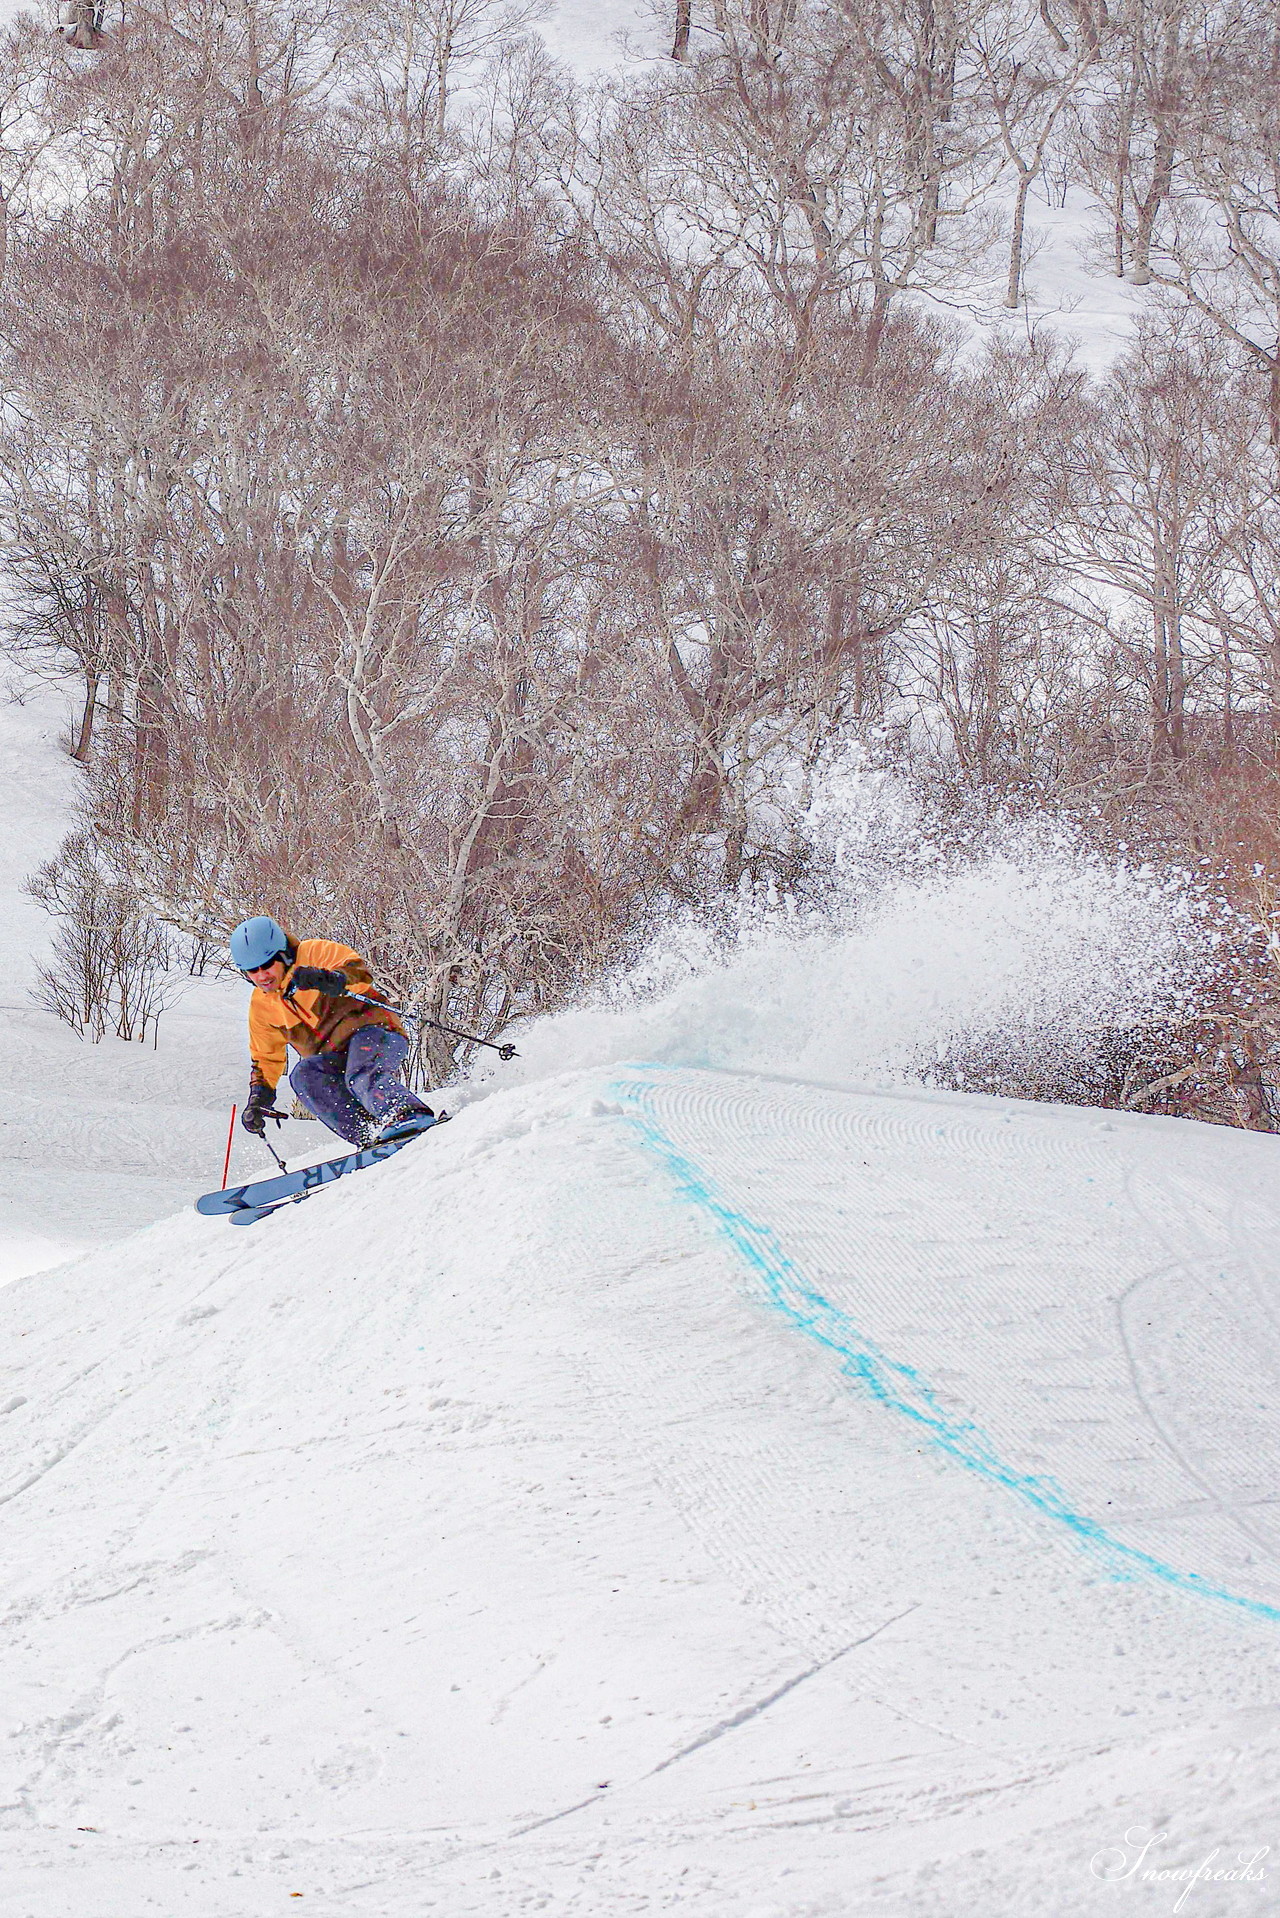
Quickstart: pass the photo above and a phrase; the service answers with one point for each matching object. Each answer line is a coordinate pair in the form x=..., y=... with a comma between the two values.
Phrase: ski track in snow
x=745, y=1155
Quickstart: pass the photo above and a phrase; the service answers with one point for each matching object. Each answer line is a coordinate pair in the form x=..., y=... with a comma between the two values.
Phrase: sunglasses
x=250, y=973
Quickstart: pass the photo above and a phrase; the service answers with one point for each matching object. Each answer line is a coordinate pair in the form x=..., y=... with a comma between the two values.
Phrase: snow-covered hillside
x=660, y=1489
x=716, y=1473
x=1068, y=289
x=667, y=1486
x=95, y=1140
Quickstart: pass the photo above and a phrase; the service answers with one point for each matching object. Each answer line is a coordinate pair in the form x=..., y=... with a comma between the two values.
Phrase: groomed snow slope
x=658, y=1489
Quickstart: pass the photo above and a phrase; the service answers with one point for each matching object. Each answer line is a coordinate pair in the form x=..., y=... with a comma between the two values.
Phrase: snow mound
x=658, y=1486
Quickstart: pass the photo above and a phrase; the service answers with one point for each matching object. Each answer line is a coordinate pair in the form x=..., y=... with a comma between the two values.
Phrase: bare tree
x=1219, y=234
x=794, y=165
x=1027, y=82
x=1184, y=122
x=403, y=64
x=471, y=502
x=1138, y=516
x=111, y=961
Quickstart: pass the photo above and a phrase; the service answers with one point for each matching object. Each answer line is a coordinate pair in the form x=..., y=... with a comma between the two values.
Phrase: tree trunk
x=1013, y=292
x=85, y=736
x=875, y=326
x=1124, y=137
x=1054, y=30
x=1148, y=210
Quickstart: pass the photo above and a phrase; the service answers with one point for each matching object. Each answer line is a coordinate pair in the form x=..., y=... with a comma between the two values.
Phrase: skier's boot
x=407, y=1119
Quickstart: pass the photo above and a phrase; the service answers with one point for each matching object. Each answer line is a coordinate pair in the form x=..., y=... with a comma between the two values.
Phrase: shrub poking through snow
x=111, y=961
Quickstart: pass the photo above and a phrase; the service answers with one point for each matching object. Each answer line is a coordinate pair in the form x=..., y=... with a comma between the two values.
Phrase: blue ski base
x=245, y=1203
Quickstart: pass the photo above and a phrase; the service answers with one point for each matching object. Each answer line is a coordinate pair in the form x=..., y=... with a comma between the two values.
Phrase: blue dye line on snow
x=898, y=1387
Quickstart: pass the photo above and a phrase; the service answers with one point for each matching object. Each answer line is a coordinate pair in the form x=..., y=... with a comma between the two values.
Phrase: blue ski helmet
x=256, y=942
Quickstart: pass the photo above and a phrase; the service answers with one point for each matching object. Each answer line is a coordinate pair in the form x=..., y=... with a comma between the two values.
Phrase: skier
x=350, y=1054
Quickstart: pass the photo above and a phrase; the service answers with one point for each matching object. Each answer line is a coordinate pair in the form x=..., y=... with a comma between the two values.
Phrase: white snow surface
x=716, y=1477
x=660, y=1488
x=95, y=1140
x=702, y=1480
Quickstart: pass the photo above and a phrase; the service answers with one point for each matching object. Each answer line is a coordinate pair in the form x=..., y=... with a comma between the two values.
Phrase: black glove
x=316, y=979
x=259, y=1103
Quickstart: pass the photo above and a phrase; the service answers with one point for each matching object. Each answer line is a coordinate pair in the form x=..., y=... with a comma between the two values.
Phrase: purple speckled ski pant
x=346, y=1089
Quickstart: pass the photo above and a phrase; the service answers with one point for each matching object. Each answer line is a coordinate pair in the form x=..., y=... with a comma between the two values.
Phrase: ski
x=263, y=1195
x=250, y=1214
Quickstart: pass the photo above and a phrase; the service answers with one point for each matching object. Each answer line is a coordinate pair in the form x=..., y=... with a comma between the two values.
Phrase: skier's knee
x=304, y=1080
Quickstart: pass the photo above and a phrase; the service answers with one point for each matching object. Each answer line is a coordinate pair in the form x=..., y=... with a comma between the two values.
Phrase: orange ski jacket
x=310, y=1022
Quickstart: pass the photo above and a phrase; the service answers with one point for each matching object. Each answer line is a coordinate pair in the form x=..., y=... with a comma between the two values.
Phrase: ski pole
x=270, y=1113
x=403, y=1012
x=226, y=1163
x=279, y=1118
